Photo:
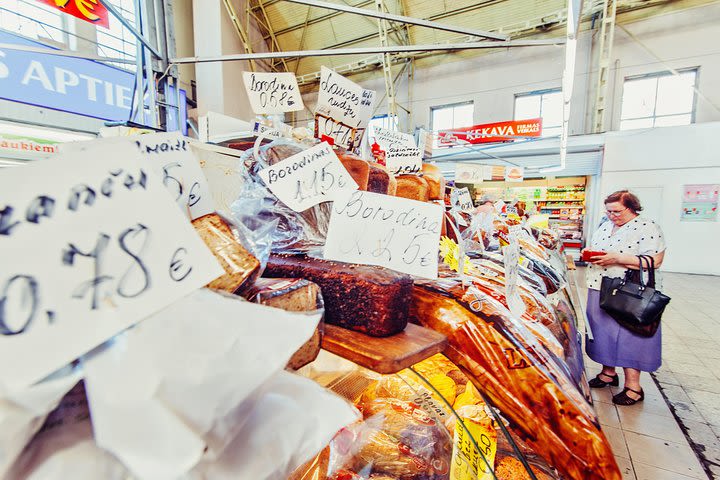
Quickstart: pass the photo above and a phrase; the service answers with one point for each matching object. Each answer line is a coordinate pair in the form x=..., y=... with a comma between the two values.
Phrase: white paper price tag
x=388, y=139
x=273, y=92
x=170, y=155
x=310, y=177
x=463, y=199
x=90, y=244
x=404, y=160
x=268, y=132
x=343, y=110
x=391, y=232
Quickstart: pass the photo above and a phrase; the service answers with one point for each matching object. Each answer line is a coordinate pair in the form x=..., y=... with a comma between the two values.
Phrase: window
x=33, y=20
x=546, y=104
x=658, y=100
x=380, y=121
x=447, y=117
x=117, y=41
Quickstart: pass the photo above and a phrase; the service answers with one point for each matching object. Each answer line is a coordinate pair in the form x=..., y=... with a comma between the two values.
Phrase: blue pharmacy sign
x=73, y=85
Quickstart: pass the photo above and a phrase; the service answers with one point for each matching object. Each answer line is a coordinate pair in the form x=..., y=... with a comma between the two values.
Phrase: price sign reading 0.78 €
x=388, y=231
x=90, y=244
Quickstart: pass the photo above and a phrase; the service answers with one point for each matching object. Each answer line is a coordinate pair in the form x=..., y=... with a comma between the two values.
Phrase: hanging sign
x=404, y=160
x=462, y=198
x=472, y=173
x=91, y=11
x=310, y=177
x=492, y=132
x=343, y=111
x=514, y=174
x=273, y=92
x=391, y=232
x=89, y=245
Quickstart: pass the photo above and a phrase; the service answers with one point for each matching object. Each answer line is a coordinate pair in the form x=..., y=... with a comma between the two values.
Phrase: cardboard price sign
x=169, y=155
x=310, y=177
x=391, y=232
x=463, y=199
x=344, y=109
x=90, y=244
x=404, y=160
x=273, y=92
x=388, y=139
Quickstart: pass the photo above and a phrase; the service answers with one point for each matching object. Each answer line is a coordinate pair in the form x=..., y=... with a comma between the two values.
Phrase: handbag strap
x=642, y=270
x=651, y=269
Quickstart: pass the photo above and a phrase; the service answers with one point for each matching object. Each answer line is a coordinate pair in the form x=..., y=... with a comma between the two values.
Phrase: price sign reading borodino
x=90, y=243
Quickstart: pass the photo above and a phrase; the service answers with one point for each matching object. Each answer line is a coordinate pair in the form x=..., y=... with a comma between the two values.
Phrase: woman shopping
x=622, y=237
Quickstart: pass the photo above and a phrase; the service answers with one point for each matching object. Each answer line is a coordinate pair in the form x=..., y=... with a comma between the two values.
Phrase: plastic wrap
x=528, y=383
x=256, y=204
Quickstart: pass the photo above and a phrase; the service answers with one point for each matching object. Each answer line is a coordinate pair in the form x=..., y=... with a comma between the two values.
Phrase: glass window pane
x=673, y=120
x=675, y=94
x=633, y=124
x=552, y=109
x=463, y=115
x=442, y=118
x=527, y=106
x=639, y=98
x=552, y=131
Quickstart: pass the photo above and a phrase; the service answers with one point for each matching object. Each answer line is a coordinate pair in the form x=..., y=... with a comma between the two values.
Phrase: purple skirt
x=616, y=346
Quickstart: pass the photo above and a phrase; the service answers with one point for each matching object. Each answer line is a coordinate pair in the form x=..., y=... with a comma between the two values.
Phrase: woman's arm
x=625, y=260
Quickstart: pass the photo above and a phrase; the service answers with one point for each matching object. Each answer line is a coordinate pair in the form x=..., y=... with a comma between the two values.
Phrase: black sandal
x=623, y=399
x=598, y=382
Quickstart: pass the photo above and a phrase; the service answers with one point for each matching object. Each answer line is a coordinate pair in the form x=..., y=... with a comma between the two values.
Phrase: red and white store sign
x=492, y=132
x=92, y=11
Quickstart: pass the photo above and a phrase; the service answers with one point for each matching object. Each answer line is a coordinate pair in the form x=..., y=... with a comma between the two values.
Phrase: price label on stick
x=343, y=109
x=392, y=232
x=169, y=154
x=463, y=199
x=90, y=244
x=404, y=160
x=388, y=139
x=310, y=177
x=273, y=92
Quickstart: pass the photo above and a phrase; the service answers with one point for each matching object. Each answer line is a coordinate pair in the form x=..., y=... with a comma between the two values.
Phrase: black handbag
x=634, y=304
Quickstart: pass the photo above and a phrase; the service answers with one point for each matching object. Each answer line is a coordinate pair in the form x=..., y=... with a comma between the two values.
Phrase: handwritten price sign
x=310, y=177
x=388, y=139
x=404, y=160
x=90, y=244
x=273, y=92
x=462, y=198
x=392, y=232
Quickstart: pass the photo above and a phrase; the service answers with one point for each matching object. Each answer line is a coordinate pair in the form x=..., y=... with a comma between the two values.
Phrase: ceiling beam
x=401, y=18
x=372, y=50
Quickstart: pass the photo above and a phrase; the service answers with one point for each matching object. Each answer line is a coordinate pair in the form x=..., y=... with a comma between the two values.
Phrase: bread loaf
x=413, y=187
x=435, y=180
x=293, y=295
x=371, y=300
x=358, y=169
x=381, y=180
x=239, y=265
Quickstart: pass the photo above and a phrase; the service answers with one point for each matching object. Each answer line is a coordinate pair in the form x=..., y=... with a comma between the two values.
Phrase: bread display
x=381, y=180
x=358, y=169
x=435, y=180
x=240, y=266
x=519, y=376
x=413, y=187
x=293, y=295
x=371, y=300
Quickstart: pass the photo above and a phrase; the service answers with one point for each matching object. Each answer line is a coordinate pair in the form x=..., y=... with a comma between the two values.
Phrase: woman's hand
x=610, y=258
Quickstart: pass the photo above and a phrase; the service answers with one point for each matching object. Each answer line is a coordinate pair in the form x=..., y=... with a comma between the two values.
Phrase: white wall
x=657, y=163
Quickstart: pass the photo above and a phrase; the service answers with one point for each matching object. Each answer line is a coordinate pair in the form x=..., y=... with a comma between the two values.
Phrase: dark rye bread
x=371, y=300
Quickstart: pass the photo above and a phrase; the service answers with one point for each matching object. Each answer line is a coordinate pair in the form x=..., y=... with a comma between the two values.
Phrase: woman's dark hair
x=629, y=200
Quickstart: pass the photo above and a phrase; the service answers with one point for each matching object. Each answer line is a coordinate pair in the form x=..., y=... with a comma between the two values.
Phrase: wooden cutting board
x=384, y=355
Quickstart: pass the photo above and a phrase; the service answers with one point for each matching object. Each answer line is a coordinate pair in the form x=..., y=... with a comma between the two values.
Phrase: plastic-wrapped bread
x=435, y=180
x=371, y=300
x=240, y=266
x=412, y=187
x=293, y=295
x=358, y=169
x=525, y=381
x=381, y=180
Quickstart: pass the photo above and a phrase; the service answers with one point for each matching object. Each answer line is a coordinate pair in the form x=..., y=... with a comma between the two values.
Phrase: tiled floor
x=648, y=441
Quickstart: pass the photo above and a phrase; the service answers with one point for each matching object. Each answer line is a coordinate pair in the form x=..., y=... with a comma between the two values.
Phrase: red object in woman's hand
x=588, y=255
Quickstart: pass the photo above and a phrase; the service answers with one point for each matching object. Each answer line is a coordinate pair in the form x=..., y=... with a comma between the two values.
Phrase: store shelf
x=384, y=355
